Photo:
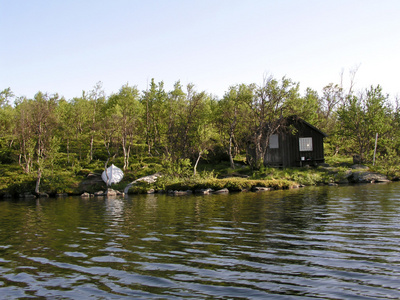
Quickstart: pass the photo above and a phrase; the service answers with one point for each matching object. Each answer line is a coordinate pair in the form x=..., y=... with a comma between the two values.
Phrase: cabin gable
x=298, y=143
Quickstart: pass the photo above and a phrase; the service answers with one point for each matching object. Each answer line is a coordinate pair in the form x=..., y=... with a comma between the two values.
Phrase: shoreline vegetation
x=196, y=141
x=211, y=179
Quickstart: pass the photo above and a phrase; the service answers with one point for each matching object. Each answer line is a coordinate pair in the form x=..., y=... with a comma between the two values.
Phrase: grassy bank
x=180, y=177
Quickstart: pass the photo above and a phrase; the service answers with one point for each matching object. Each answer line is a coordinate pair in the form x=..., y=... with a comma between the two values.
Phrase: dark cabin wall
x=288, y=154
x=316, y=155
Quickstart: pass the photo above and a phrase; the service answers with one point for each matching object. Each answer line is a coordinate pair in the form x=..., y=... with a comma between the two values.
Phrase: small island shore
x=89, y=184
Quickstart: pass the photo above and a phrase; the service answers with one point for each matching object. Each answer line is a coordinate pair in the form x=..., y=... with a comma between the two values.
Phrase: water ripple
x=310, y=243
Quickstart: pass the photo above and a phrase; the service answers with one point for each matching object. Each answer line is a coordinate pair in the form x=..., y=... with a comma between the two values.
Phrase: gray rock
x=99, y=194
x=180, y=193
x=367, y=177
x=149, y=179
x=204, y=191
x=111, y=193
x=343, y=181
x=221, y=191
x=260, y=189
x=61, y=195
x=27, y=195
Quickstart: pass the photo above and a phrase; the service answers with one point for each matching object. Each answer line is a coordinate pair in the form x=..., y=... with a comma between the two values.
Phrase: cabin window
x=274, y=141
x=305, y=144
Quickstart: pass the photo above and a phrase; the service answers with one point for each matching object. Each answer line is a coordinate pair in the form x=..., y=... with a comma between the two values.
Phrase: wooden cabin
x=296, y=144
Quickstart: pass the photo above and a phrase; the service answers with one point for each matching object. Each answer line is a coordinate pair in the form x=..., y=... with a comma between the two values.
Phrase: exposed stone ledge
x=261, y=189
x=366, y=177
x=221, y=191
x=179, y=193
x=149, y=179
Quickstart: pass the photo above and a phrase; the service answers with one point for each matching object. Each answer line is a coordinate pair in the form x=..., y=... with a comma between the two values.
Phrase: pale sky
x=67, y=46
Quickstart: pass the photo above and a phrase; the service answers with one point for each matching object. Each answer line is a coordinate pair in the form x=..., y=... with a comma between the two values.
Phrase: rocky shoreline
x=356, y=174
x=106, y=193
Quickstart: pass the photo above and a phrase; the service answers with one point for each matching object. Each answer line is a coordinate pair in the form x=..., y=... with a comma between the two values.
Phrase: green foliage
x=303, y=176
x=181, y=168
x=389, y=164
x=15, y=181
x=6, y=155
x=140, y=188
x=360, y=118
x=231, y=118
x=232, y=184
x=183, y=130
x=272, y=100
x=62, y=182
x=339, y=160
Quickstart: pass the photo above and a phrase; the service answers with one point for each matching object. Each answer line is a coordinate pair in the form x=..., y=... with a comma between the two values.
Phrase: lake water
x=318, y=242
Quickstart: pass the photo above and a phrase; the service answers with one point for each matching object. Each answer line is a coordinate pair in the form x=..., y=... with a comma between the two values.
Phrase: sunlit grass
x=180, y=176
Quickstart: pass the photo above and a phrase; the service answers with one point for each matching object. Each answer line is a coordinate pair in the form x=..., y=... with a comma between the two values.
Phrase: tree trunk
x=39, y=176
x=105, y=170
x=230, y=152
x=231, y=133
x=148, y=127
x=91, y=147
x=197, y=162
x=125, y=153
x=68, y=150
x=258, y=159
x=128, y=153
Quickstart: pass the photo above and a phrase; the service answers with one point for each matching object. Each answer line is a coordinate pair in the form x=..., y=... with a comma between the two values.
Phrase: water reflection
x=323, y=242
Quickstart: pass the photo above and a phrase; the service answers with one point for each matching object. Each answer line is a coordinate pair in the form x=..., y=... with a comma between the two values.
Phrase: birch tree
x=267, y=109
x=361, y=117
x=154, y=102
x=96, y=102
x=232, y=110
x=126, y=110
x=36, y=127
x=7, y=125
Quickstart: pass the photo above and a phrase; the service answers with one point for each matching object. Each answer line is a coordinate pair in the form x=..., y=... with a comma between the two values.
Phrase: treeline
x=48, y=132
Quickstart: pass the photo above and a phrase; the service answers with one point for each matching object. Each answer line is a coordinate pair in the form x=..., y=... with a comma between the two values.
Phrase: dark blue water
x=311, y=243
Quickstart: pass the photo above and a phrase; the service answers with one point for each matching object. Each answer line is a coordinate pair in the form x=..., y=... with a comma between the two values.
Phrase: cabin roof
x=295, y=118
